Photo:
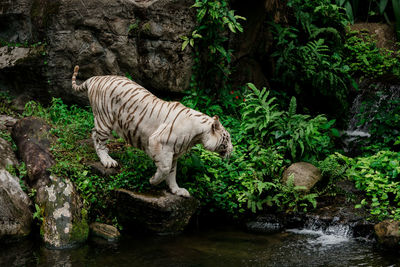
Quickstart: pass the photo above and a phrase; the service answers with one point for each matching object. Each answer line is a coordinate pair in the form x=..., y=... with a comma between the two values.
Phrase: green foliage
x=210, y=39
x=38, y=214
x=378, y=176
x=6, y=106
x=308, y=54
x=376, y=8
x=365, y=59
x=295, y=135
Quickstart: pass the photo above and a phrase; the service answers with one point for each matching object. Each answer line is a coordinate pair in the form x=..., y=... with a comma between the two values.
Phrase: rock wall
x=135, y=37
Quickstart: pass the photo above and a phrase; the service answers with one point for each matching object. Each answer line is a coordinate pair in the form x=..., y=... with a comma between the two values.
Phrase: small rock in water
x=265, y=224
x=108, y=232
x=160, y=212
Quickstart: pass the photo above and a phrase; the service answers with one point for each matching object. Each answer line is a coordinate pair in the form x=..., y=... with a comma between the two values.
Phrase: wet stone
x=105, y=231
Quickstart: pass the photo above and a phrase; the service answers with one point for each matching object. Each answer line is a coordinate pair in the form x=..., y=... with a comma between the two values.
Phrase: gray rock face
x=7, y=156
x=64, y=219
x=159, y=212
x=305, y=175
x=388, y=233
x=15, y=215
x=104, y=37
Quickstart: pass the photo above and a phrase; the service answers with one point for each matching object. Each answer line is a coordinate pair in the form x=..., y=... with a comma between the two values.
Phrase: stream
x=222, y=247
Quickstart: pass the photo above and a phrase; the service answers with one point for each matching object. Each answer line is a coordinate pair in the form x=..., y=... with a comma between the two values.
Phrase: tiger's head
x=218, y=139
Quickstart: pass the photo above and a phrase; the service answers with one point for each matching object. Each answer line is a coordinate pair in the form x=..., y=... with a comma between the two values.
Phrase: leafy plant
x=365, y=59
x=210, y=39
x=308, y=55
x=377, y=176
x=299, y=136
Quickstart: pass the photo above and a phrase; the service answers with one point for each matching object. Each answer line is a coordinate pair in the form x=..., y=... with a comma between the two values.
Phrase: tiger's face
x=223, y=145
x=224, y=148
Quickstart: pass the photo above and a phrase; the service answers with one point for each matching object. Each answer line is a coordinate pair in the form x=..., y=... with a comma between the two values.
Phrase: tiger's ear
x=216, y=124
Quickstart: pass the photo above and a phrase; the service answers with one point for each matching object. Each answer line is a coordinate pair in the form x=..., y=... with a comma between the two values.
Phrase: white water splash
x=333, y=235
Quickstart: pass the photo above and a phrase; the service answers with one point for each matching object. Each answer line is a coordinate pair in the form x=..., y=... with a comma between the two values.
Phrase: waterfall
x=373, y=99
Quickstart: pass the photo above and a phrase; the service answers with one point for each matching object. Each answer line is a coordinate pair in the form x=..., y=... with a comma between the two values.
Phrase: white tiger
x=164, y=130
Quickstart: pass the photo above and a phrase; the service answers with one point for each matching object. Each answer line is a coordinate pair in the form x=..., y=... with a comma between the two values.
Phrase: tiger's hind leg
x=100, y=135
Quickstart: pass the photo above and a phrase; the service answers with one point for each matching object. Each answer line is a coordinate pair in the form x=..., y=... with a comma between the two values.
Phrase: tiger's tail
x=77, y=88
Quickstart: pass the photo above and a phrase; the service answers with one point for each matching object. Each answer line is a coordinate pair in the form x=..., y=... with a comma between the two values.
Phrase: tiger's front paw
x=107, y=161
x=180, y=192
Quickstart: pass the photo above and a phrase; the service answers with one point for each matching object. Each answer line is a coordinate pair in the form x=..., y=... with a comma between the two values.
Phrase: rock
x=12, y=56
x=99, y=169
x=141, y=38
x=15, y=214
x=108, y=232
x=269, y=223
x=6, y=122
x=383, y=33
x=7, y=156
x=159, y=212
x=388, y=233
x=33, y=140
x=305, y=175
x=64, y=218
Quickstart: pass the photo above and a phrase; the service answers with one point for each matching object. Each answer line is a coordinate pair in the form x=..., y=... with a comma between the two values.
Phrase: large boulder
x=159, y=212
x=305, y=175
x=388, y=233
x=64, y=218
x=15, y=213
x=7, y=156
x=141, y=38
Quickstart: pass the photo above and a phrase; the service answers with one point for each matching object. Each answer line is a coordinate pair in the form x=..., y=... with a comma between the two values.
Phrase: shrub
x=377, y=176
x=296, y=136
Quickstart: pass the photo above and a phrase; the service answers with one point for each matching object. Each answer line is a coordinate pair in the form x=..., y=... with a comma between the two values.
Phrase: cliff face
x=136, y=37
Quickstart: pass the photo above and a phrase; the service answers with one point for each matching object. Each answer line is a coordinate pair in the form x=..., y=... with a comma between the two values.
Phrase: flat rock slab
x=159, y=212
x=105, y=231
x=15, y=213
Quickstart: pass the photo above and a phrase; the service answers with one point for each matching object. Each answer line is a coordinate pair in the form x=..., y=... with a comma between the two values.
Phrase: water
x=227, y=247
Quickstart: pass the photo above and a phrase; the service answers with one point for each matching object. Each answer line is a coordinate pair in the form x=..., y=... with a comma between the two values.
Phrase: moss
x=146, y=28
x=80, y=229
